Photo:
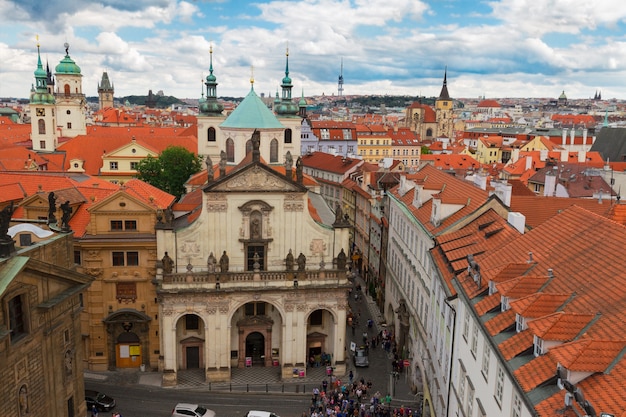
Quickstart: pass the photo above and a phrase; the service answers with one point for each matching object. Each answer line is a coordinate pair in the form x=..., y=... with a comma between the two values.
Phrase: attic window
x=75, y=165
x=133, y=150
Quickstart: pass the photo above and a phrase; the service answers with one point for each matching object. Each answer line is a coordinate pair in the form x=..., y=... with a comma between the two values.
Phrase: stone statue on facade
x=5, y=220
x=341, y=260
x=404, y=319
x=52, y=208
x=65, y=217
x=289, y=261
x=168, y=264
x=224, y=262
x=211, y=263
x=209, y=168
x=256, y=145
x=299, y=172
x=223, y=161
x=288, y=165
x=301, y=262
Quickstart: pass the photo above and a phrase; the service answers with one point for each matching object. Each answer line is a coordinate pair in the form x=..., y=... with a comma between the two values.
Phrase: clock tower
x=444, y=111
x=105, y=92
x=42, y=108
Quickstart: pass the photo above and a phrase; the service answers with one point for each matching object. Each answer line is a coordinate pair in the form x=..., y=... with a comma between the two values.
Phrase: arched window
x=66, y=89
x=273, y=151
x=230, y=150
x=288, y=134
x=68, y=112
x=41, y=123
x=211, y=134
x=429, y=132
x=248, y=147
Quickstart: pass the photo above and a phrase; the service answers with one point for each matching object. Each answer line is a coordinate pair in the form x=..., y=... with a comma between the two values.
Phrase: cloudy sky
x=498, y=48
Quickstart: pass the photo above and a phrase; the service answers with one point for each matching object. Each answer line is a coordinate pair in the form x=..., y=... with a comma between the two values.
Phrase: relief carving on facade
x=257, y=179
x=293, y=202
x=216, y=202
x=94, y=272
x=190, y=247
x=317, y=246
x=21, y=370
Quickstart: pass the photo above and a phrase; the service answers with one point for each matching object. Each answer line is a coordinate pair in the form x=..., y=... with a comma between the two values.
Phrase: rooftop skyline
x=500, y=48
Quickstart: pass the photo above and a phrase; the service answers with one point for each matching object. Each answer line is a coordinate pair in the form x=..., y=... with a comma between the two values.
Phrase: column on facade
x=168, y=347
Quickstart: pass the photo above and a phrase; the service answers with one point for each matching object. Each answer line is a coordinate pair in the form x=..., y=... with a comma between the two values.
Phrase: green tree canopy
x=170, y=170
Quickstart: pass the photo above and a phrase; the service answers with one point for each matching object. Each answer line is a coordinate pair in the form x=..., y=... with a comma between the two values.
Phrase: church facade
x=256, y=274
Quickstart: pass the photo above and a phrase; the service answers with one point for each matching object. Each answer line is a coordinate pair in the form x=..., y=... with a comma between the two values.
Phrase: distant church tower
x=105, y=92
x=42, y=107
x=340, y=82
x=444, y=110
x=69, y=97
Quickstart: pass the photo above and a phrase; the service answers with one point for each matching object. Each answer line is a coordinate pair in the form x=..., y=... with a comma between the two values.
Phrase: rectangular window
x=113, y=166
x=470, y=398
x=78, y=257
x=462, y=377
x=499, y=385
x=516, y=409
x=134, y=165
x=118, y=258
x=486, y=358
x=69, y=125
x=474, y=340
x=132, y=258
x=17, y=318
x=191, y=322
x=130, y=224
x=466, y=320
x=42, y=144
x=116, y=225
x=25, y=239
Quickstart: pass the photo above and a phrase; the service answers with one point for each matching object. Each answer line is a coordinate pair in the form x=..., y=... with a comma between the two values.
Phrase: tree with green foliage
x=425, y=150
x=170, y=170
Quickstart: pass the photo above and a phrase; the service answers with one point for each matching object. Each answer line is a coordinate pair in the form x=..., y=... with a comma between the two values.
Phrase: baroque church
x=254, y=267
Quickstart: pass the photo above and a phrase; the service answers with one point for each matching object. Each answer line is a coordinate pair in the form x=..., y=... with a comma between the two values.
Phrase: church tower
x=209, y=117
x=287, y=113
x=69, y=97
x=42, y=107
x=444, y=110
x=105, y=92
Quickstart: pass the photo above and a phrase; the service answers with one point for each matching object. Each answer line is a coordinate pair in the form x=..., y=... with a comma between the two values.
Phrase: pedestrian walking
x=94, y=411
x=351, y=376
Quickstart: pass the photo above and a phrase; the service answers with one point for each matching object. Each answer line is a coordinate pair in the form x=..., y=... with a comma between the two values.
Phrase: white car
x=256, y=413
x=191, y=410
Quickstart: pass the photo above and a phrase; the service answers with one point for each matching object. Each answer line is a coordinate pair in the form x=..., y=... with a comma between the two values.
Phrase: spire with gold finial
x=210, y=105
x=286, y=108
x=252, y=77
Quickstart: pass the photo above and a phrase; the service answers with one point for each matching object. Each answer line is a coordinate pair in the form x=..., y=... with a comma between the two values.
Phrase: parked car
x=359, y=358
x=191, y=410
x=257, y=413
x=102, y=401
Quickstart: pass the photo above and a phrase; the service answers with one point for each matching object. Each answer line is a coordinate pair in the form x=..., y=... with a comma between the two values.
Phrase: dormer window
x=520, y=323
x=504, y=303
x=538, y=346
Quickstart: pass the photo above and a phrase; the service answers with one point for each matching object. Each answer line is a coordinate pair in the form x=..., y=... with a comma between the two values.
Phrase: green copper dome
x=252, y=113
x=39, y=94
x=67, y=64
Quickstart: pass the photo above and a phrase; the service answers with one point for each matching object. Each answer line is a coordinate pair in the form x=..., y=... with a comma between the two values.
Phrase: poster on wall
x=124, y=351
x=135, y=350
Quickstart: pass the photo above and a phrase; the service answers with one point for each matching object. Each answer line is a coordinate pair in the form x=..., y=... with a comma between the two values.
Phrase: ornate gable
x=255, y=177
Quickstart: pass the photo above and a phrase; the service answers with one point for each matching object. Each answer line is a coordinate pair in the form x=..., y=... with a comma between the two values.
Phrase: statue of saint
x=289, y=261
x=52, y=208
x=209, y=168
x=288, y=165
x=67, y=212
x=223, y=161
x=299, y=173
x=5, y=220
x=211, y=262
x=301, y=262
x=341, y=260
x=224, y=262
x=168, y=264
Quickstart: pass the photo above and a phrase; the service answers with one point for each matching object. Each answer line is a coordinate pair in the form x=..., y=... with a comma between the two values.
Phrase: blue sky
x=498, y=48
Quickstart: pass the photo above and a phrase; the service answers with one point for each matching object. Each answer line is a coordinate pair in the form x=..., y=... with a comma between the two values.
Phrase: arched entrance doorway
x=191, y=340
x=127, y=338
x=255, y=349
x=128, y=350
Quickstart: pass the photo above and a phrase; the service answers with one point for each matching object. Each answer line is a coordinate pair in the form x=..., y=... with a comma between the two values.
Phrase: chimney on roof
x=517, y=220
x=550, y=273
x=571, y=137
x=530, y=257
x=564, y=136
x=549, y=186
x=529, y=162
x=582, y=156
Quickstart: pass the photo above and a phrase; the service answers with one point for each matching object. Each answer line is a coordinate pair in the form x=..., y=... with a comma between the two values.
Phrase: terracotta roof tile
x=536, y=372
x=500, y=322
x=516, y=344
x=588, y=355
x=560, y=326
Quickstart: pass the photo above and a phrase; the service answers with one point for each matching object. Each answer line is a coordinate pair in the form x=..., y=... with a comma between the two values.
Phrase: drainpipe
x=447, y=301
